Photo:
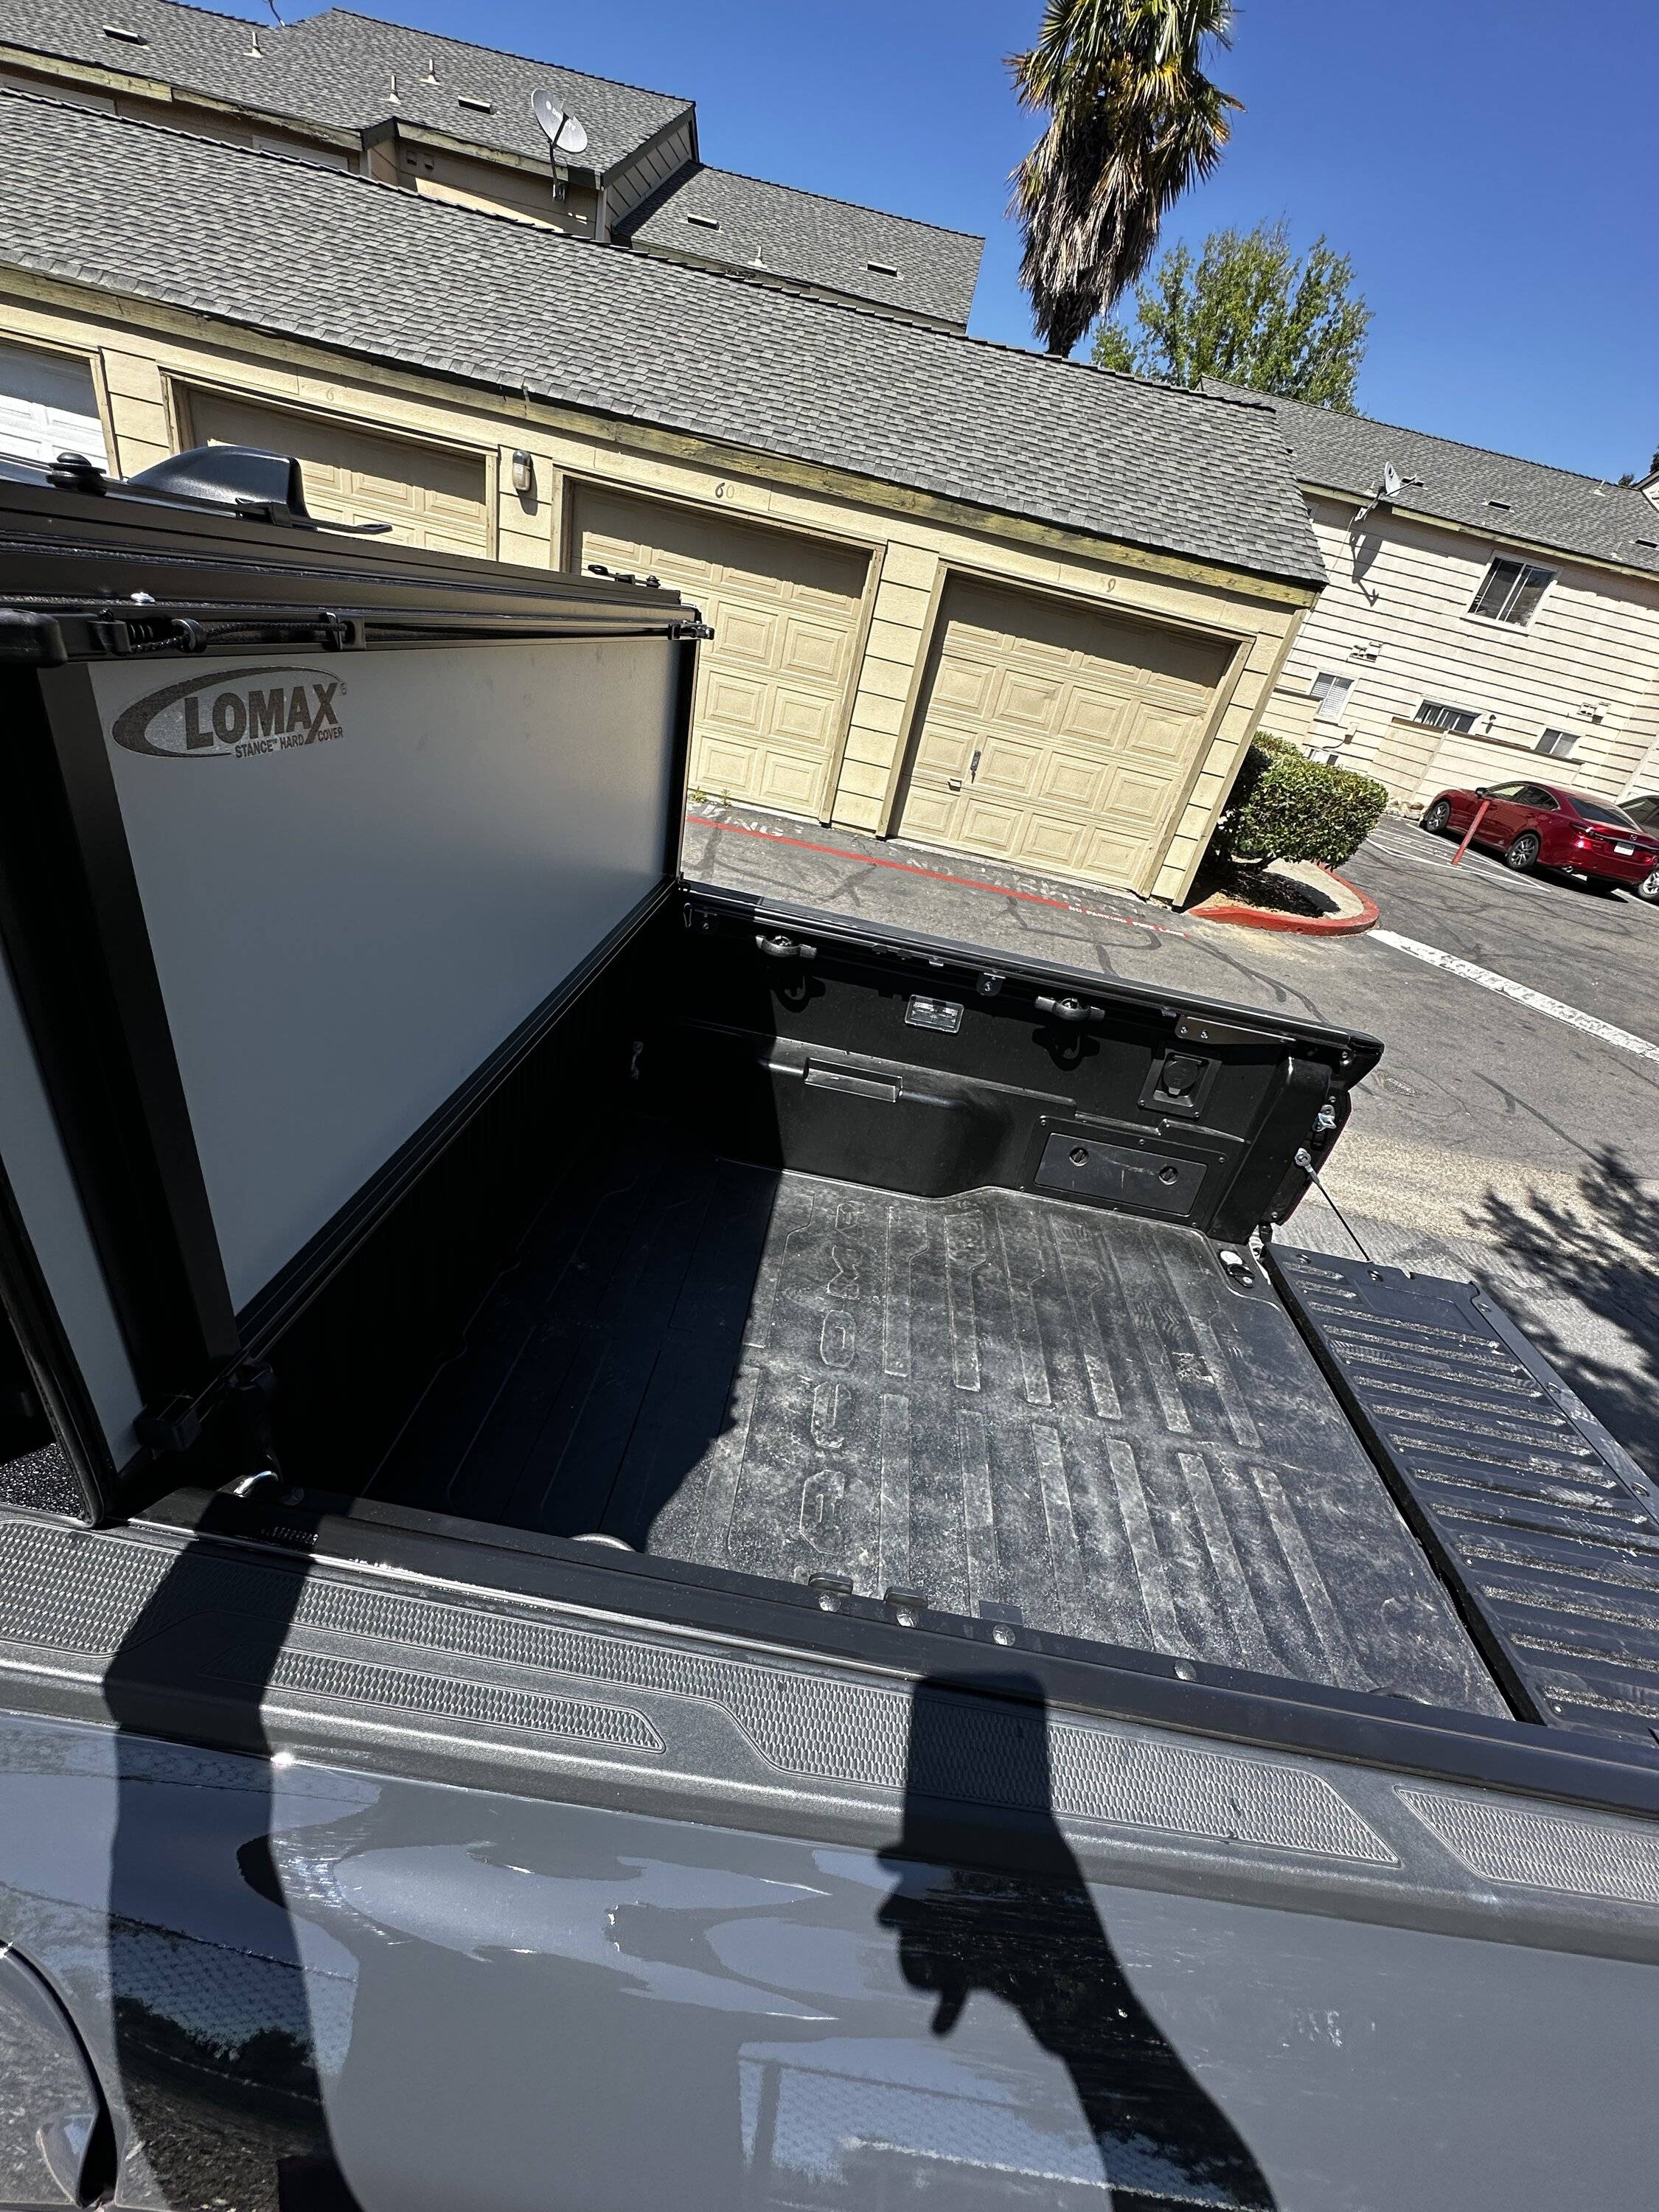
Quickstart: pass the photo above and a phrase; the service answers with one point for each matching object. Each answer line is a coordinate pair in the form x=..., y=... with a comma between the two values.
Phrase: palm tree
x=1132, y=121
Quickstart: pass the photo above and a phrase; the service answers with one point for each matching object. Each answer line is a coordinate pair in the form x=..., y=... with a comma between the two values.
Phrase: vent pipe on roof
x=431, y=76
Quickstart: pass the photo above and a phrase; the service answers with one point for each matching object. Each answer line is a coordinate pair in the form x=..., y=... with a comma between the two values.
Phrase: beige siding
x=1404, y=756
x=526, y=194
x=1289, y=714
x=430, y=495
x=1644, y=729
x=1405, y=588
x=269, y=138
x=148, y=360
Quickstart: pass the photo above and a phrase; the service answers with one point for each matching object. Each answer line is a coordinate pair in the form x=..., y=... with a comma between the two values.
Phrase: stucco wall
x=146, y=359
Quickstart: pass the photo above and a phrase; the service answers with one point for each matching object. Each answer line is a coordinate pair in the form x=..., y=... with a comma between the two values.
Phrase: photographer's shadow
x=1018, y=1923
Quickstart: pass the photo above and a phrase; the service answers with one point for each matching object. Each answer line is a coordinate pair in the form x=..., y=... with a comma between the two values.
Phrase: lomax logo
x=237, y=715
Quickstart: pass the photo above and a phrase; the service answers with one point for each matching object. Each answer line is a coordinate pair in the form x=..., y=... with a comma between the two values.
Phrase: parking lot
x=1511, y=1133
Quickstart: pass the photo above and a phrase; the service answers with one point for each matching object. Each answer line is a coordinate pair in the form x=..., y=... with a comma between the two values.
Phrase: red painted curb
x=932, y=875
x=1216, y=908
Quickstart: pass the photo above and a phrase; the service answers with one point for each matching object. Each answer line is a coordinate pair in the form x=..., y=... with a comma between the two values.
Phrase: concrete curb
x=1216, y=908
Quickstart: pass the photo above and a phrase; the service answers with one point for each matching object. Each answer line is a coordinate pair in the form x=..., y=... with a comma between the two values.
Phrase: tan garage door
x=430, y=496
x=1056, y=735
x=784, y=611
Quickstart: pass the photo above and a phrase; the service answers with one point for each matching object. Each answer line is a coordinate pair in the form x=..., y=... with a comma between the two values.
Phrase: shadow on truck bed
x=1016, y=1407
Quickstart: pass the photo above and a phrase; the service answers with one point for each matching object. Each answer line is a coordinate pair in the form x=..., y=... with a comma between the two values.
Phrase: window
x=1533, y=794
x=1593, y=809
x=1439, y=716
x=1510, y=591
x=1558, y=743
x=1332, y=693
x=48, y=406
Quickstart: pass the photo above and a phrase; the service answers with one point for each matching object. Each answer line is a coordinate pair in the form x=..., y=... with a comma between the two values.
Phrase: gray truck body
x=655, y=1551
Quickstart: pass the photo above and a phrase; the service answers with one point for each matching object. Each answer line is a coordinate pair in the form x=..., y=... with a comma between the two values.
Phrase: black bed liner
x=1022, y=1409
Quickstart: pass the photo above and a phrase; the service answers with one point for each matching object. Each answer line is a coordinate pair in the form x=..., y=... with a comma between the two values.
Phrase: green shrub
x=1283, y=806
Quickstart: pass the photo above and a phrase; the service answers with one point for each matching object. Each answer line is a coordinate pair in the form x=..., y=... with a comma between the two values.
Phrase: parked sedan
x=1537, y=825
x=1643, y=811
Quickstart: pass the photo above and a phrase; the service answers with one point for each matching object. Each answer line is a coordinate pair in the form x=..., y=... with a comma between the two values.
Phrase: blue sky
x=1488, y=165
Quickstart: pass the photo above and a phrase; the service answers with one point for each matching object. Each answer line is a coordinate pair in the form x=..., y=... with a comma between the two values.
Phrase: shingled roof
x=1526, y=503
x=338, y=70
x=716, y=214
x=345, y=73
x=258, y=240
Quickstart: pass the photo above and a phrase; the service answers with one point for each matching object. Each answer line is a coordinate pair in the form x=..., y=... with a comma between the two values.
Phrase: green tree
x=1133, y=122
x=1247, y=309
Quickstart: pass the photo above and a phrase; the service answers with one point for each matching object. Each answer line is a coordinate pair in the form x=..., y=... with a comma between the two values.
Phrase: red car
x=1539, y=825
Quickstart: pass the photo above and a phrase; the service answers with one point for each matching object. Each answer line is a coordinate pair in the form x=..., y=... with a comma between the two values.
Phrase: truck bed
x=1021, y=1408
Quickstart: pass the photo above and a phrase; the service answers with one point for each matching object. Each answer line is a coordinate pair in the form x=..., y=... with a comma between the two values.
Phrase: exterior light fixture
x=524, y=472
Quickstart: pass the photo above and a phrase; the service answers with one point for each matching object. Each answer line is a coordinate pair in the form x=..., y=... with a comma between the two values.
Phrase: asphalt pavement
x=1510, y=1135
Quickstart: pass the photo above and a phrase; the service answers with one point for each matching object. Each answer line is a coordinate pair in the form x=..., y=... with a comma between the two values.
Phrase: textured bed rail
x=1545, y=1528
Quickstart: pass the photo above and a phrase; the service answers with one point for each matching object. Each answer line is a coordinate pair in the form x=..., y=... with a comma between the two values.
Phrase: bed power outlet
x=1179, y=1083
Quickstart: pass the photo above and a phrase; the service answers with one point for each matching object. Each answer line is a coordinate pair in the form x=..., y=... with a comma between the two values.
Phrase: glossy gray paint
x=673, y=1920
x=519, y=2003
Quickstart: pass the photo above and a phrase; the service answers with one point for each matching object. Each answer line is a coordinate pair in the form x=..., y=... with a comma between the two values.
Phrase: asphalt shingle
x=339, y=69
x=1527, y=501
x=283, y=246
x=914, y=266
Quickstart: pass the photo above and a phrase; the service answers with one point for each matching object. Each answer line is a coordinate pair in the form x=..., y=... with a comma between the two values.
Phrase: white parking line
x=1556, y=1010
x=1484, y=866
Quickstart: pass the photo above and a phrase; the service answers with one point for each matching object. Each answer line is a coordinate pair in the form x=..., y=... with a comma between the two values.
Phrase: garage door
x=48, y=406
x=430, y=496
x=784, y=611
x=1054, y=735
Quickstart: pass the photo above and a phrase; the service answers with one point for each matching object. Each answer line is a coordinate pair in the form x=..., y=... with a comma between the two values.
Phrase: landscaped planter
x=1349, y=909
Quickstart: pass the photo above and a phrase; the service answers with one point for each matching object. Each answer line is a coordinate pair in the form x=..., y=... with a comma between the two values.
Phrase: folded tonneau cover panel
x=1546, y=1530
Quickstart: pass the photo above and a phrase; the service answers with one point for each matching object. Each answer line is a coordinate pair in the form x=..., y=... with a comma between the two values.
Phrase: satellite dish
x=1391, y=480
x=564, y=134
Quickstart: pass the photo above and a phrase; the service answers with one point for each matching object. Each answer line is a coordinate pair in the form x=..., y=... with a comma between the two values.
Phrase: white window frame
x=1425, y=706
x=1329, y=685
x=73, y=357
x=1524, y=571
x=1567, y=750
